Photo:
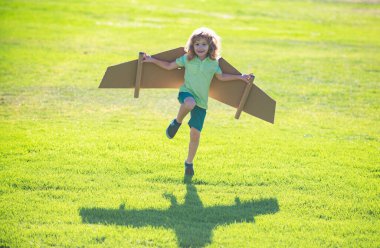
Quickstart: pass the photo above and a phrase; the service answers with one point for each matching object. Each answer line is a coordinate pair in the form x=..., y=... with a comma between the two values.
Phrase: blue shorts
x=198, y=114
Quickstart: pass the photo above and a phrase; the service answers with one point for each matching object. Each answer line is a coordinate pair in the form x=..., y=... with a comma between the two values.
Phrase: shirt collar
x=207, y=58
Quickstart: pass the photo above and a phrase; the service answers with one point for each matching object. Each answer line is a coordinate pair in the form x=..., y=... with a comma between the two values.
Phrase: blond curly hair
x=212, y=39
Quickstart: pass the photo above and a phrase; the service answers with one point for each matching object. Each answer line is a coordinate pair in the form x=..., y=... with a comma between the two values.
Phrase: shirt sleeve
x=181, y=61
x=218, y=70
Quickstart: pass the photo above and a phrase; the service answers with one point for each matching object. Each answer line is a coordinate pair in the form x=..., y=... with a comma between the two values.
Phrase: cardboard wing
x=244, y=96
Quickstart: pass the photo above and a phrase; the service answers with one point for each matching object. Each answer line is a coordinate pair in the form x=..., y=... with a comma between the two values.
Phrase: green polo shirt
x=198, y=76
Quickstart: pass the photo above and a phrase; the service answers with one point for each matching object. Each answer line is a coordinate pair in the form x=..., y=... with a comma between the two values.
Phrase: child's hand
x=147, y=58
x=246, y=77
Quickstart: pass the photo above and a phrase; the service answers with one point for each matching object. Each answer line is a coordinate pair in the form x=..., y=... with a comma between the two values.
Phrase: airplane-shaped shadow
x=192, y=222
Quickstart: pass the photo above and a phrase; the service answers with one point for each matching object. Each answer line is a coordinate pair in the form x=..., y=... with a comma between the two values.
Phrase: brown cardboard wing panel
x=124, y=75
x=229, y=92
x=260, y=105
x=120, y=76
x=157, y=77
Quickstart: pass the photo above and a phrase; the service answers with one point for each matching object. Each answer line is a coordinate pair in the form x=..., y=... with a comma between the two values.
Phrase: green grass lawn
x=82, y=166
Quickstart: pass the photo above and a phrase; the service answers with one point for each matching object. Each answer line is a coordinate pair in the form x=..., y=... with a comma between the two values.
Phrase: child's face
x=201, y=48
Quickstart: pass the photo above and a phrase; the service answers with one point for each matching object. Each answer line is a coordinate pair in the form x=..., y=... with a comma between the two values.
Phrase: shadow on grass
x=192, y=222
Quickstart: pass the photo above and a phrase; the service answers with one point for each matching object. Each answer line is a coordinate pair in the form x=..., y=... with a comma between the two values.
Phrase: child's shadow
x=192, y=222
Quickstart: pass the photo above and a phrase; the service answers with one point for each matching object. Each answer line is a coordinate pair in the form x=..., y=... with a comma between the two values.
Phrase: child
x=201, y=64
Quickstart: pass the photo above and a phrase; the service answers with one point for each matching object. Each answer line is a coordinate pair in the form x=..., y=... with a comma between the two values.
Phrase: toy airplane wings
x=244, y=96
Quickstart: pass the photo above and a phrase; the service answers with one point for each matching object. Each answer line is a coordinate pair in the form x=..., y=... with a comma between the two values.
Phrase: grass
x=81, y=167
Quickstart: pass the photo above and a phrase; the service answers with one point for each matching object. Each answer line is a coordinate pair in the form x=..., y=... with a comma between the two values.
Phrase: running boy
x=201, y=64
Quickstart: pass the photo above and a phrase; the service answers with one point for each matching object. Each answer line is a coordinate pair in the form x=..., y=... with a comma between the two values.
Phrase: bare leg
x=187, y=105
x=193, y=145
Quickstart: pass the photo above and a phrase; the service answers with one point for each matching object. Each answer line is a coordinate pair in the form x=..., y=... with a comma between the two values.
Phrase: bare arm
x=163, y=64
x=230, y=77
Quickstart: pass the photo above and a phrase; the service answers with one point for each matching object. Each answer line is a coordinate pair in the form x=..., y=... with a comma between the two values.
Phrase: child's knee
x=189, y=104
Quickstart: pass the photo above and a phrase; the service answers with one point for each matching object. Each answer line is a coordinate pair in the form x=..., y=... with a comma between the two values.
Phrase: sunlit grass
x=76, y=161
